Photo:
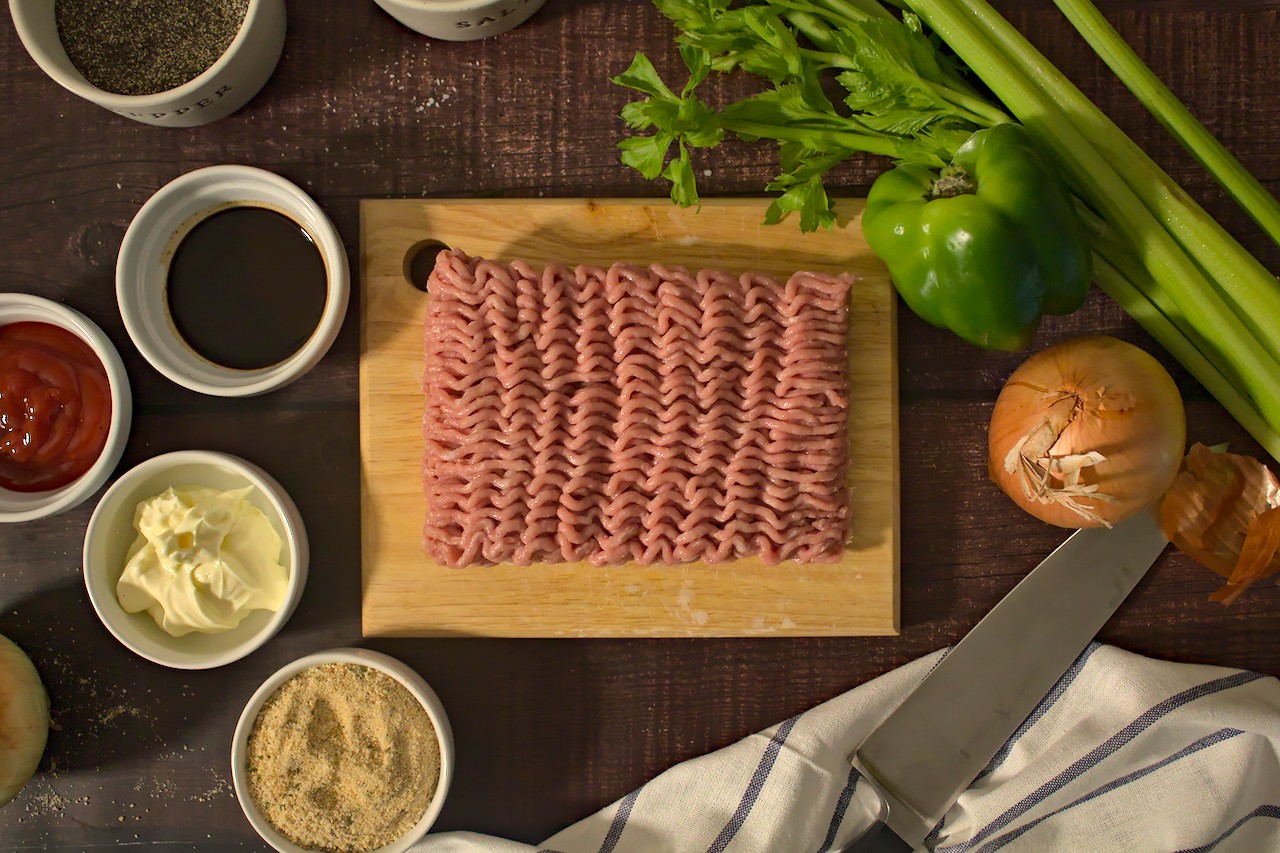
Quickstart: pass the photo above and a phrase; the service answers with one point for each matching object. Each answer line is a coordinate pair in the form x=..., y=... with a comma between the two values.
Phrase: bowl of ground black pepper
x=232, y=281
x=171, y=63
x=347, y=750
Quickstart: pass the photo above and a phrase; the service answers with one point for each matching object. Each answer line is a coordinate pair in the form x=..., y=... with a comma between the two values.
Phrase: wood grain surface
x=548, y=731
x=408, y=594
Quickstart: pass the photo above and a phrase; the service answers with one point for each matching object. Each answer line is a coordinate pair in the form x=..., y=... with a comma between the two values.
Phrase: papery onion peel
x=1223, y=511
x=1087, y=433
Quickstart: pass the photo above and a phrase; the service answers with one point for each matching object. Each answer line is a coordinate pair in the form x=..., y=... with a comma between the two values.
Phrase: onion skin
x=24, y=720
x=1224, y=512
x=1123, y=405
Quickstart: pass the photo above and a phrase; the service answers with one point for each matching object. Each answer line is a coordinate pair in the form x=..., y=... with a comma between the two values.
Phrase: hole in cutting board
x=420, y=260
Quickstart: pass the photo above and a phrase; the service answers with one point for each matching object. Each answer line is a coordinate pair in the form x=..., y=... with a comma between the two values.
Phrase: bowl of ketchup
x=65, y=407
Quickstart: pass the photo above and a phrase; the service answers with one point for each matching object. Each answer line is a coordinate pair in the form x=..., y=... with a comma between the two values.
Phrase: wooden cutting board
x=405, y=593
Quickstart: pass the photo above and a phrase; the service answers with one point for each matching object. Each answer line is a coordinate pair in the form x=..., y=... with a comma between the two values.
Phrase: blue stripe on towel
x=1043, y=708
x=931, y=839
x=1204, y=743
x=753, y=787
x=842, y=806
x=1271, y=811
x=1114, y=743
x=619, y=822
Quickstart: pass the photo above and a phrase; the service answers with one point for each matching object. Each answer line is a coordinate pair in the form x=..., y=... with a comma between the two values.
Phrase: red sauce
x=55, y=407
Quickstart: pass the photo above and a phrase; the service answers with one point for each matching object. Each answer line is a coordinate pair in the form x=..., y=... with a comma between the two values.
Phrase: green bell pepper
x=986, y=248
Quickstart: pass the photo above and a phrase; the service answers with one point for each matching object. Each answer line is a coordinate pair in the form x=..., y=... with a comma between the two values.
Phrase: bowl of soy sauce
x=232, y=281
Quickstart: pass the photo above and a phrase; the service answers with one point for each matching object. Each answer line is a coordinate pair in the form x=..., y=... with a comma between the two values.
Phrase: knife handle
x=878, y=838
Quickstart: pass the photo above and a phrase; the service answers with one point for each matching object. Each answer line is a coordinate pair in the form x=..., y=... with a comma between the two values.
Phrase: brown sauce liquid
x=246, y=288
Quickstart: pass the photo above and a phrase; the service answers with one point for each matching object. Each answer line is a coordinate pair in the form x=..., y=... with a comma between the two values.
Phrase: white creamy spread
x=204, y=559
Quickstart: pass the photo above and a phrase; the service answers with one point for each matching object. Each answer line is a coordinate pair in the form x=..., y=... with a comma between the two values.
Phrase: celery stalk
x=1249, y=289
x=1261, y=205
x=1122, y=278
x=1149, y=317
x=1106, y=244
x=1005, y=69
x=853, y=8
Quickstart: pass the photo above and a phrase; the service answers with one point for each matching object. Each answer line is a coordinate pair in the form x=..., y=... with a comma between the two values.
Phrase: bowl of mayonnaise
x=194, y=559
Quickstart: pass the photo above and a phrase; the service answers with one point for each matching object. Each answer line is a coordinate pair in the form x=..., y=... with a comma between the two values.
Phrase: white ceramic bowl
x=364, y=657
x=461, y=20
x=220, y=90
x=111, y=532
x=25, y=506
x=143, y=266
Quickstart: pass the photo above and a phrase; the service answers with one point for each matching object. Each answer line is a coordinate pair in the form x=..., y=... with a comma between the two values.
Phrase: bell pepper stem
x=954, y=181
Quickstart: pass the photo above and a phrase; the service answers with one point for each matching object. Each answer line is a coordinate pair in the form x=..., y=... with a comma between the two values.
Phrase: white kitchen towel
x=1124, y=754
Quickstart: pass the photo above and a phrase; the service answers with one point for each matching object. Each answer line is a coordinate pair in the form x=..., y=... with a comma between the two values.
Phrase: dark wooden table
x=547, y=731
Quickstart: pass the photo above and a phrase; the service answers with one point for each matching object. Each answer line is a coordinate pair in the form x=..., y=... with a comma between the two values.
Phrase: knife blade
x=932, y=747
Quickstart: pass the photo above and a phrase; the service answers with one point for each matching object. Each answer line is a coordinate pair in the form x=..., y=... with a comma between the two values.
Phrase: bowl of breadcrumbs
x=347, y=751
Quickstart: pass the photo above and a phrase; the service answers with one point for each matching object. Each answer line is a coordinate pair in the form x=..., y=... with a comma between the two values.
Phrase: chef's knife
x=947, y=730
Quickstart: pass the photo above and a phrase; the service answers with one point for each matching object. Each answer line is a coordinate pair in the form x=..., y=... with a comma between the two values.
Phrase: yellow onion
x=1087, y=433
x=24, y=720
